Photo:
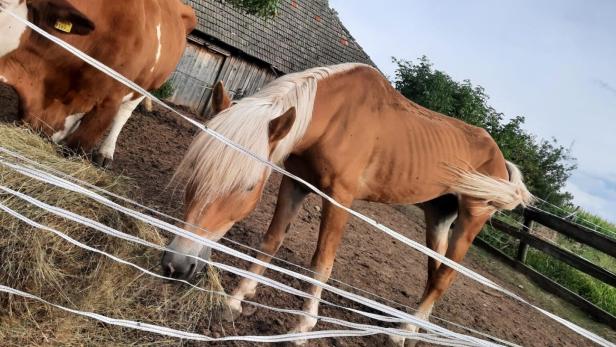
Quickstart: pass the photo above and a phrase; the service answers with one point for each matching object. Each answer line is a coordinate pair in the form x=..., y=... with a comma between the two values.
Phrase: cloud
x=605, y=86
x=595, y=193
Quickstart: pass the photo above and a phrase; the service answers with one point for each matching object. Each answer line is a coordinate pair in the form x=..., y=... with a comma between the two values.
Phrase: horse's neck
x=335, y=96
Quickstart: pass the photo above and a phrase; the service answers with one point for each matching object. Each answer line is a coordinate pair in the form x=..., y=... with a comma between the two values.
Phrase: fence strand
x=459, y=268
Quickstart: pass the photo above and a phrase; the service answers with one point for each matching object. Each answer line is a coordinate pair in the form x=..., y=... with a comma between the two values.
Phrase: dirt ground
x=152, y=145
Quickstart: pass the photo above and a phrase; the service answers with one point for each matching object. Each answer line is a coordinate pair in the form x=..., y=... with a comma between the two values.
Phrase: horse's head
x=213, y=219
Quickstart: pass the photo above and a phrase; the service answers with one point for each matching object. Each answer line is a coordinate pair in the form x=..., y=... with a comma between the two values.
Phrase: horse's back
x=398, y=149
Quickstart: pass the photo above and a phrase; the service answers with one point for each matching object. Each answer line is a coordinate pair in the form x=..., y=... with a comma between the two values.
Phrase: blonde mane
x=213, y=169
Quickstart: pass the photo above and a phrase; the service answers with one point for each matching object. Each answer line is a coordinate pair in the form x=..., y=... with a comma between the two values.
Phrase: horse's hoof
x=296, y=330
x=399, y=341
x=232, y=311
x=395, y=341
x=292, y=343
x=101, y=161
x=249, y=311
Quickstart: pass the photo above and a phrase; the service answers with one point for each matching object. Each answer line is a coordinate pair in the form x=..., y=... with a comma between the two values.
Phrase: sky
x=552, y=61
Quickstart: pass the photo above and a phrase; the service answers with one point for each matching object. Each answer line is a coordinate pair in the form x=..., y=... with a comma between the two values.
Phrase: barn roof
x=304, y=34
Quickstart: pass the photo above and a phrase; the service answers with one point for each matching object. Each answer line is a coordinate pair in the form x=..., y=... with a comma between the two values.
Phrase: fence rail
x=574, y=231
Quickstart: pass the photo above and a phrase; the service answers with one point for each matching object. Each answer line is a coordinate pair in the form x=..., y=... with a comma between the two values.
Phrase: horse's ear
x=220, y=98
x=279, y=128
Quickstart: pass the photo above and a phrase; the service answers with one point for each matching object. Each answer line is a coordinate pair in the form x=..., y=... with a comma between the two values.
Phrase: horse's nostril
x=168, y=270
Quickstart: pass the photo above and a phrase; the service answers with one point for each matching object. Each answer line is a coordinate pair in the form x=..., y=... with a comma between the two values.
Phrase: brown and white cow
x=64, y=97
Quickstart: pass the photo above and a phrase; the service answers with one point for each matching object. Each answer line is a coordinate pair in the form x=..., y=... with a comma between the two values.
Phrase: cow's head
x=58, y=17
x=54, y=16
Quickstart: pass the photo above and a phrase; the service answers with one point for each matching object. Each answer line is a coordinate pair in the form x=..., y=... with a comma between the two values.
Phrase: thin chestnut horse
x=346, y=130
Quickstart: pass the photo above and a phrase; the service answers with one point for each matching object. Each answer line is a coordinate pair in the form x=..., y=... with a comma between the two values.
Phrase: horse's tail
x=500, y=194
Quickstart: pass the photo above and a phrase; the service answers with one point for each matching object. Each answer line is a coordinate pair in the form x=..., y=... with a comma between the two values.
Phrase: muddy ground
x=152, y=145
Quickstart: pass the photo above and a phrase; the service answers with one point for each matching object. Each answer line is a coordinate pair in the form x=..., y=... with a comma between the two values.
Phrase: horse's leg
x=440, y=214
x=290, y=198
x=331, y=231
x=472, y=216
x=104, y=156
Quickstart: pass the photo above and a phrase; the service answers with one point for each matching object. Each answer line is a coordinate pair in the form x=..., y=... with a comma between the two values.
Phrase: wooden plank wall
x=199, y=70
x=194, y=77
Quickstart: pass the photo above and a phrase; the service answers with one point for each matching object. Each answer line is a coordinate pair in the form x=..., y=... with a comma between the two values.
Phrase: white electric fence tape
x=58, y=182
x=457, y=267
x=383, y=318
x=365, y=327
x=192, y=336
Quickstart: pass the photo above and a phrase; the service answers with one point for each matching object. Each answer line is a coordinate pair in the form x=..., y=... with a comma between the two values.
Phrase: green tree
x=262, y=8
x=545, y=164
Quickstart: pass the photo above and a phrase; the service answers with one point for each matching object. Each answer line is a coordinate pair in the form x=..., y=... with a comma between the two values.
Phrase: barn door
x=195, y=76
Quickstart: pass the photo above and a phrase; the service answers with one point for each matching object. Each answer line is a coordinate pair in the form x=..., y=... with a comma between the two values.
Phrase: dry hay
x=43, y=264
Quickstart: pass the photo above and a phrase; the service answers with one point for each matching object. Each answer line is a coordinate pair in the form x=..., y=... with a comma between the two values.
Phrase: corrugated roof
x=304, y=34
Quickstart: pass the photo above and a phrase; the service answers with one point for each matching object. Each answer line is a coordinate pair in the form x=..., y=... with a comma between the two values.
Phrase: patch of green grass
x=593, y=290
x=583, y=218
x=529, y=289
x=596, y=223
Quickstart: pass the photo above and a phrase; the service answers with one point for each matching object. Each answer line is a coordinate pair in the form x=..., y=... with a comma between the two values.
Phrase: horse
x=65, y=98
x=347, y=131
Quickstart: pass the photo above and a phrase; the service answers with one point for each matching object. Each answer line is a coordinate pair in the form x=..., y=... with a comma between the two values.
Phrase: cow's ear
x=59, y=16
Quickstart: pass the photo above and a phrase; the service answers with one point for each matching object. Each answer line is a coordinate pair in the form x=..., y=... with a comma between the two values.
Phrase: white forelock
x=214, y=169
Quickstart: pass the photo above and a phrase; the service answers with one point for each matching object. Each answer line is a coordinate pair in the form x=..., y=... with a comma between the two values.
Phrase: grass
x=537, y=295
x=42, y=264
x=583, y=218
x=595, y=291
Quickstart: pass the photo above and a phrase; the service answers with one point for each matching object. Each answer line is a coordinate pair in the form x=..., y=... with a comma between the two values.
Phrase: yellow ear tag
x=63, y=26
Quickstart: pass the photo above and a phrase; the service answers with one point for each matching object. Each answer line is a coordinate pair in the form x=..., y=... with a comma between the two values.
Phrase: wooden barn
x=246, y=52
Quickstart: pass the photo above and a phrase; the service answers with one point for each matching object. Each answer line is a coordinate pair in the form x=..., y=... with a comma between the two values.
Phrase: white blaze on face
x=71, y=123
x=11, y=29
x=185, y=246
x=160, y=47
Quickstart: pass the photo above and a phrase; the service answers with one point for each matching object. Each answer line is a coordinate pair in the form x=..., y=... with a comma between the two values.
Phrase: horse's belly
x=396, y=192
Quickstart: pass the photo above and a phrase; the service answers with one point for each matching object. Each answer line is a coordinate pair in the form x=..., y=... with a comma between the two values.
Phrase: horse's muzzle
x=183, y=267
x=9, y=104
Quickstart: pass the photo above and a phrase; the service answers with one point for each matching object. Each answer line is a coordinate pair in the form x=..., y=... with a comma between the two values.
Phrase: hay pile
x=42, y=264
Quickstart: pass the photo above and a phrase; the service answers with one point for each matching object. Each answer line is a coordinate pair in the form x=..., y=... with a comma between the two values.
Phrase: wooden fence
x=574, y=231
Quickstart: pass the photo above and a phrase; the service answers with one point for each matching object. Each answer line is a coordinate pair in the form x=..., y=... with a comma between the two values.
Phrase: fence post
x=523, y=246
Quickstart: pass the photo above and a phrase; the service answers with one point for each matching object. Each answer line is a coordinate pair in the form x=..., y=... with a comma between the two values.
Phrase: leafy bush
x=165, y=91
x=262, y=8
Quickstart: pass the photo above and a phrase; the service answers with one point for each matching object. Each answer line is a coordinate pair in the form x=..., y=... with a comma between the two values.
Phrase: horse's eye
x=251, y=188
